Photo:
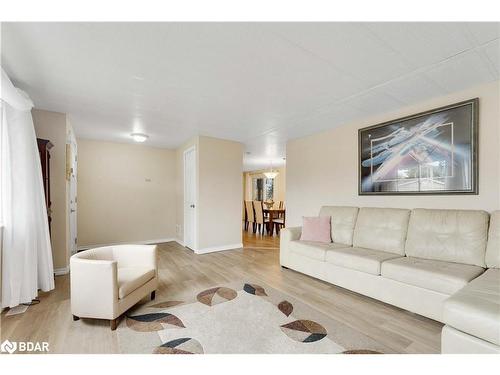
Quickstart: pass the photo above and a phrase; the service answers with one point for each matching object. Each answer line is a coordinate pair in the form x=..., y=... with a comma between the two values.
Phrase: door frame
x=72, y=180
x=184, y=208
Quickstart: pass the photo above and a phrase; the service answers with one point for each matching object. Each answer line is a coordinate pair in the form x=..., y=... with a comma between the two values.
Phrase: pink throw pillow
x=316, y=229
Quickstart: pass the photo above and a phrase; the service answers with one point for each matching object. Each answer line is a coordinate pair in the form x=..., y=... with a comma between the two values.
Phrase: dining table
x=273, y=213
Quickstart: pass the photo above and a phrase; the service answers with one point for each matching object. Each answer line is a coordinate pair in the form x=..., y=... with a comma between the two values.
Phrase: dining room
x=264, y=207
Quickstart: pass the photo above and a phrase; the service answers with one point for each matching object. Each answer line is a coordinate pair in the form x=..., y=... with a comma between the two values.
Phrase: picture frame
x=429, y=153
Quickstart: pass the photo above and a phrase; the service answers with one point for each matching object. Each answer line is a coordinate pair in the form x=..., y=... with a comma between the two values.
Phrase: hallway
x=258, y=241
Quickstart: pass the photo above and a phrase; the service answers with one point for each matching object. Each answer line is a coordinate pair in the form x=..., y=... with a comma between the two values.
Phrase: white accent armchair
x=107, y=281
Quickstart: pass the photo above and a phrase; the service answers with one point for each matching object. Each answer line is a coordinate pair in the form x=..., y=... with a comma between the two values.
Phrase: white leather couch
x=107, y=281
x=430, y=262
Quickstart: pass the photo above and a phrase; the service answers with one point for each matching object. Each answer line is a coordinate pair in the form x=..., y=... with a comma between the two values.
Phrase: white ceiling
x=258, y=83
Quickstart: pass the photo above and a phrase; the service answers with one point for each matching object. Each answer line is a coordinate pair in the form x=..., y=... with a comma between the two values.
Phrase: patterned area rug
x=244, y=317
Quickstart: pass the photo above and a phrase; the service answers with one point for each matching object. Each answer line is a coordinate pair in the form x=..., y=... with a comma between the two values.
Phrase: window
x=262, y=189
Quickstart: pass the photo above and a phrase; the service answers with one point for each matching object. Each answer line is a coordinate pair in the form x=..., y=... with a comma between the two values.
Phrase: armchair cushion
x=132, y=278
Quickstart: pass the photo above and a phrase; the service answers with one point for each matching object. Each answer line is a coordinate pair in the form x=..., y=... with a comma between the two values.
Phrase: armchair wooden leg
x=153, y=295
x=75, y=318
x=113, y=323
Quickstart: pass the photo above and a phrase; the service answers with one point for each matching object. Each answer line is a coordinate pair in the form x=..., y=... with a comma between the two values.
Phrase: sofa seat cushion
x=132, y=278
x=443, y=277
x=359, y=259
x=313, y=250
x=475, y=309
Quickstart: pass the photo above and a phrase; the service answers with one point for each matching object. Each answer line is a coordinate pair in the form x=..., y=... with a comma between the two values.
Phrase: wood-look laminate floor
x=181, y=270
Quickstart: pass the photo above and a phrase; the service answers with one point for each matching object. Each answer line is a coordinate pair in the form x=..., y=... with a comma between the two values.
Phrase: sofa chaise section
x=472, y=315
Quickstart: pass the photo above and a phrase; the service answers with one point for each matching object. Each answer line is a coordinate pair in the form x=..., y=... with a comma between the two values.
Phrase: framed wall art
x=434, y=152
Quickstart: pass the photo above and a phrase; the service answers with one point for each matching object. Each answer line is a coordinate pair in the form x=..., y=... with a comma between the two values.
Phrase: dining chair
x=281, y=206
x=249, y=215
x=261, y=221
x=279, y=222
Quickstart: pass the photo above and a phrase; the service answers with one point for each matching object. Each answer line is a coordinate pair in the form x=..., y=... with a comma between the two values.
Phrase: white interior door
x=72, y=149
x=190, y=198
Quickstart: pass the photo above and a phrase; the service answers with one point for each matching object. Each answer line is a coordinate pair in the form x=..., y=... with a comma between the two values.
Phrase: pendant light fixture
x=139, y=137
x=271, y=173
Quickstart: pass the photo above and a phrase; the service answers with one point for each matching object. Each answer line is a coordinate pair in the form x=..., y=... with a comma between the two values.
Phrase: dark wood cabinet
x=44, y=147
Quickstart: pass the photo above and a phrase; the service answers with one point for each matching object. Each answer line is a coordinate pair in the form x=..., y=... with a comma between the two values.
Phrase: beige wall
x=126, y=193
x=54, y=126
x=322, y=169
x=279, y=184
x=219, y=183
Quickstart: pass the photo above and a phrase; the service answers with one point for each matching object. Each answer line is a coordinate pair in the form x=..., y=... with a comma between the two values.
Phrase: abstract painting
x=434, y=152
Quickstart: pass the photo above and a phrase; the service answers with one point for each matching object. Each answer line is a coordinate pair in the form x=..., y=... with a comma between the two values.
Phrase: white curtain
x=26, y=250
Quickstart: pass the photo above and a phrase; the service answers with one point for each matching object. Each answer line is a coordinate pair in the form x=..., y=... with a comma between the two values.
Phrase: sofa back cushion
x=449, y=235
x=493, y=247
x=343, y=220
x=382, y=229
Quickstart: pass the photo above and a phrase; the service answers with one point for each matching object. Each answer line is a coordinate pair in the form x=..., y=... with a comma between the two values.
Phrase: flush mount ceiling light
x=139, y=137
x=271, y=173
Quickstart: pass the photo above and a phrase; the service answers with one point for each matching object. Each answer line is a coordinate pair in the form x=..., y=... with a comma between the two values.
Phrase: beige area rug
x=243, y=317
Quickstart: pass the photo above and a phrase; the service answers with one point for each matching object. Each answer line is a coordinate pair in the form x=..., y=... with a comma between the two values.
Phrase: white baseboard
x=213, y=249
x=146, y=242
x=149, y=242
x=61, y=271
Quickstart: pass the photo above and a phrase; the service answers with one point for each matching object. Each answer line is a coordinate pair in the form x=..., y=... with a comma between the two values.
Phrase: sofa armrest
x=290, y=234
x=94, y=287
x=287, y=235
x=136, y=256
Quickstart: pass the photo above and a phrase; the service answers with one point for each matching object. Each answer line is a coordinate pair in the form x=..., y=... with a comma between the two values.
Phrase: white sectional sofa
x=437, y=263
